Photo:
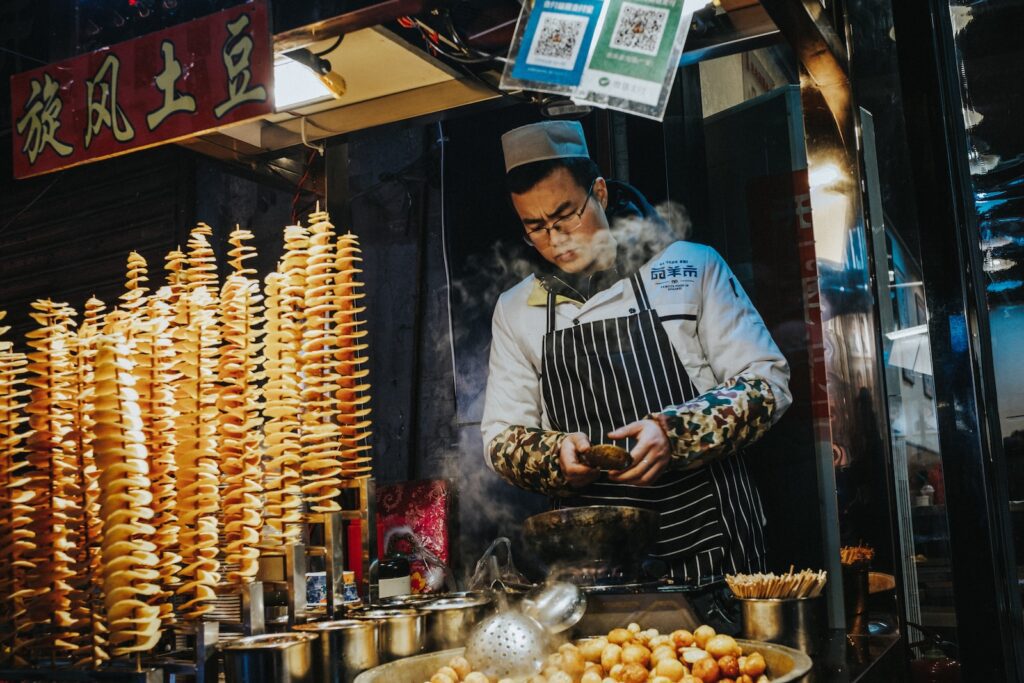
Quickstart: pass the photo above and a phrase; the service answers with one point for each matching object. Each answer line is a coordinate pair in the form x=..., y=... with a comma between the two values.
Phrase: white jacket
x=725, y=337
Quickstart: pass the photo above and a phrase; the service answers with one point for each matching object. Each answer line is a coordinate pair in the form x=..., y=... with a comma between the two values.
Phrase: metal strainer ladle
x=513, y=644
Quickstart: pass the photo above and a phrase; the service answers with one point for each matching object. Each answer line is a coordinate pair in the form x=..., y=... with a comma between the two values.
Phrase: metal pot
x=284, y=658
x=451, y=617
x=593, y=539
x=344, y=649
x=400, y=632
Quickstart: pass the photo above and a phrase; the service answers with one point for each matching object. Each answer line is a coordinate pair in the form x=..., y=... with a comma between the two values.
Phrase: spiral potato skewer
x=239, y=410
x=202, y=262
x=198, y=496
x=88, y=581
x=155, y=376
x=129, y=557
x=353, y=393
x=16, y=503
x=281, y=430
x=51, y=480
x=321, y=437
x=133, y=300
x=284, y=433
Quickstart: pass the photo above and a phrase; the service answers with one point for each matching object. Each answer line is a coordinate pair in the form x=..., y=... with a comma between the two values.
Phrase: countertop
x=859, y=659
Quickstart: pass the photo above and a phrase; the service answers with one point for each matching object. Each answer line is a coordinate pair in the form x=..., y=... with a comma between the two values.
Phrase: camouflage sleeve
x=722, y=421
x=528, y=458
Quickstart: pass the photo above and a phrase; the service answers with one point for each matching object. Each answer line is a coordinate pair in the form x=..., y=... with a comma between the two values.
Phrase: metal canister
x=279, y=657
x=798, y=623
x=344, y=649
x=400, y=632
x=450, y=618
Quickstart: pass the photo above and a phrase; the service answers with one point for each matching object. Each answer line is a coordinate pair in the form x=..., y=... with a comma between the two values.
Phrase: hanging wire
x=332, y=48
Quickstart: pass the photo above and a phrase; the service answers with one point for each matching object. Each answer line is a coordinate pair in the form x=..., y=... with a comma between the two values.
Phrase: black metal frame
x=990, y=631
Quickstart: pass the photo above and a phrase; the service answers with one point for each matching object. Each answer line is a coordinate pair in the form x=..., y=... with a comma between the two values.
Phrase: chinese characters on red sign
x=162, y=87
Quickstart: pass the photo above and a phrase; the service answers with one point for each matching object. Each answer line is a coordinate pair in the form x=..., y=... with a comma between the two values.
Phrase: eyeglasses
x=540, y=237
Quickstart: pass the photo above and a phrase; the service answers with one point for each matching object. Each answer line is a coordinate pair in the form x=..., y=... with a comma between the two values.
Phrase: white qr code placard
x=558, y=40
x=639, y=29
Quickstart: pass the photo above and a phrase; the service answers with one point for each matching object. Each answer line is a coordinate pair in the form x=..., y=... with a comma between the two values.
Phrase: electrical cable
x=447, y=272
x=332, y=48
x=299, y=189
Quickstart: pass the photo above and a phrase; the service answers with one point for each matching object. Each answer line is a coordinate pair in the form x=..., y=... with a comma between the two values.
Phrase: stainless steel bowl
x=280, y=657
x=451, y=617
x=344, y=649
x=400, y=632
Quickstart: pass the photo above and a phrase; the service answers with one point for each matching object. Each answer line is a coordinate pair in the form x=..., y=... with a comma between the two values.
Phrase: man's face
x=578, y=245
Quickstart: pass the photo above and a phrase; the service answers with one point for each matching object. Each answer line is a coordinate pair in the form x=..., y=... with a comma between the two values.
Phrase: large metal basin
x=598, y=538
x=784, y=664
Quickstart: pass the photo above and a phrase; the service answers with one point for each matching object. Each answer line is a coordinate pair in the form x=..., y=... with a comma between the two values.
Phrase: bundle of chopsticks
x=855, y=554
x=803, y=584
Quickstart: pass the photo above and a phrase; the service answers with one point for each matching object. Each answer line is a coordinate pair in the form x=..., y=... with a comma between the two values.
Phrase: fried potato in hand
x=577, y=474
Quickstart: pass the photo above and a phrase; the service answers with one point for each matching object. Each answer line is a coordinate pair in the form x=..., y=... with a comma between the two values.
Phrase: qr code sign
x=557, y=41
x=639, y=29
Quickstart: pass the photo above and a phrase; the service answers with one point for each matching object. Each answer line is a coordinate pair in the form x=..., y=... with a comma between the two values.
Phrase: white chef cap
x=541, y=141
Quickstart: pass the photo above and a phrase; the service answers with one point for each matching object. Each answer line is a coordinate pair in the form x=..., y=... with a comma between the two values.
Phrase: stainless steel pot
x=344, y=649
x=279, y=657
x=451, y=617
x=798, y=623
x=400, y=632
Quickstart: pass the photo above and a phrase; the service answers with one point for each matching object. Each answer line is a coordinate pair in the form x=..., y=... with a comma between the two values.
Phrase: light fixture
x=321, y=68
x=296, y=86
x=824, y=174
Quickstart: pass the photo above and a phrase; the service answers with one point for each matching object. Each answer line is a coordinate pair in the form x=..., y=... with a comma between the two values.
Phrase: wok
x=598, y=539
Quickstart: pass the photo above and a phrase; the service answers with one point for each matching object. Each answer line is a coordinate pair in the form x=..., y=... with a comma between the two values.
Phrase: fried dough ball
x=722, y=645
x=619, y=636
x=633, y=628
x=661, y=679
x=755, y=665
x=663, y=652
x=682, y=638
x=475, y=677
x=729, y=666
x=591, y=648
x=633, y=673
x=573, y=663
x=592, y=676
x=610, y=656
x=461, y=666
x=442, y=678
x=635, y=653
x=706, y=670
x=702, y=634
x=671, y=669
x=560, y=677
x=692, y=655
x=450, y=673
x=659, y=640
x=744, y=678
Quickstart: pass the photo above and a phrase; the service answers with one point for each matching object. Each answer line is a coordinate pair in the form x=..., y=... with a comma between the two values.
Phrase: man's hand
x=651, y=455
x=576, y=473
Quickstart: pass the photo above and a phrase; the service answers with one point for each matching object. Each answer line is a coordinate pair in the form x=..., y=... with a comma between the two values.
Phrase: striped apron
x=601, y=375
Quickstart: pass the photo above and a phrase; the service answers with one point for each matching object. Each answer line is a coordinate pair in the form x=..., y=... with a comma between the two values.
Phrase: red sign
x=165, y=86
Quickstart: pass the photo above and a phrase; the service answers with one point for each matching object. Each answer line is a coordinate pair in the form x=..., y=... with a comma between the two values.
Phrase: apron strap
x=640, y=292
x=551, y=312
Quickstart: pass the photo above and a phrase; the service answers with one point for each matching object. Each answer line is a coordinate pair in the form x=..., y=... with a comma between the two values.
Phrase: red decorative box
x=422, y=508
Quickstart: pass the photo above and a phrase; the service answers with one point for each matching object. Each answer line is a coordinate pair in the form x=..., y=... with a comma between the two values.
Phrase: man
x=664, y=355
